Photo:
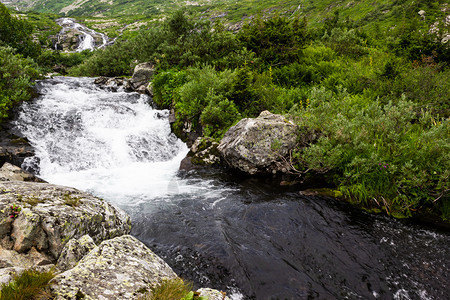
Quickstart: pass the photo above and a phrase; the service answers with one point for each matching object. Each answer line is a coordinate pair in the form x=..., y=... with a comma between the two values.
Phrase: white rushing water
x=87, y=40
x=112, y=144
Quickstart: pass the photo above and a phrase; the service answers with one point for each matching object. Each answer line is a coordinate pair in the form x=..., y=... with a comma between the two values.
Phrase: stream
x=246, y=236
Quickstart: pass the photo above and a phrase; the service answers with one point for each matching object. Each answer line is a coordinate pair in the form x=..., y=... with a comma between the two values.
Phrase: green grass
x=30, y=284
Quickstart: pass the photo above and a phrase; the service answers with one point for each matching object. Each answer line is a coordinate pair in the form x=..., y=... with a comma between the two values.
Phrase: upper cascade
x=75, y=37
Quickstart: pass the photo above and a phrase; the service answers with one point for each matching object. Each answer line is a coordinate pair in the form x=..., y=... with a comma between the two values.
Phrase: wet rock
x=47, y=216
x=260, y=145
x=141, y=77
x=14, y=149
x=120, y=268
x=113, y=84
x=9, y=172
x=212, y=294
x=74, y=251
x=203, y=153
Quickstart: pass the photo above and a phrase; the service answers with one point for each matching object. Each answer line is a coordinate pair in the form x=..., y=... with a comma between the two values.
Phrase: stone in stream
x=260, y=145
x=141, y=77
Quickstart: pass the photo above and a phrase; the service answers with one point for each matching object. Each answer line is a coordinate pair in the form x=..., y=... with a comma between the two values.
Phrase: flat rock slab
x=47, y=216
x=120, y=268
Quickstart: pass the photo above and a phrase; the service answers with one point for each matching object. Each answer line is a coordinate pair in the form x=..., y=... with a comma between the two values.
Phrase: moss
x=71, y=201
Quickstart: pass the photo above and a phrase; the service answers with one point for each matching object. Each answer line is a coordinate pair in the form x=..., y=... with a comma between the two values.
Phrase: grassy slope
x=112, y=17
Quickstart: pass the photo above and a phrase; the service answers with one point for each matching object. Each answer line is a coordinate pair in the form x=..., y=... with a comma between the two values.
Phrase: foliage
x=30, y=284
x=16, y=75
x=384, y=155
x=172, y=289
x=218, y=115
x=16, y=33
x=277, y=40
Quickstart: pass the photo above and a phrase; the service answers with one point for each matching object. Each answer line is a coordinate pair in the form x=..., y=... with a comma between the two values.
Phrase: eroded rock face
x=47, y=216
x=120, y=268
x=258, y=146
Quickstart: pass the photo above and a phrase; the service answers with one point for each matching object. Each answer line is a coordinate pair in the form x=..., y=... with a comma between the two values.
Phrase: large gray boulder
x=260, y=145
x=141, y=77
x=120, y=268
x=45, y=217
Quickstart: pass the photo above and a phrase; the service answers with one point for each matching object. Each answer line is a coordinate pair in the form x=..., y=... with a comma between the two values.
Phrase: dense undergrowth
x=371, y=95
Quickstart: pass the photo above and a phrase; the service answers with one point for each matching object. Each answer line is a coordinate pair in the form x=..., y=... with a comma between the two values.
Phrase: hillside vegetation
x=368, y=83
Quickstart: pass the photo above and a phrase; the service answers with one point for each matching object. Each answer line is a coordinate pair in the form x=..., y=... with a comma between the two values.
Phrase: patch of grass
x=30, y=284
x=168, y=290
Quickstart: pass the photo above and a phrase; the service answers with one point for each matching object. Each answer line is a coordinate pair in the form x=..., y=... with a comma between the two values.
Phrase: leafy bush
x=164, y=87
x=16, y=33
x=378, y=155
x=192, y=97
x=16, y=75
x=277, y=40
x=218, y=115
x=30, y=284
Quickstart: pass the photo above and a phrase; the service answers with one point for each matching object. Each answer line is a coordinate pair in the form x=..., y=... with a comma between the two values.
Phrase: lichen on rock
x=117, y=269
x=259, y=145
x=51, y=215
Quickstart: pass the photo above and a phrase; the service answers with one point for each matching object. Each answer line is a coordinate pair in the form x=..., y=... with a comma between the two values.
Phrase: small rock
x=212, y=294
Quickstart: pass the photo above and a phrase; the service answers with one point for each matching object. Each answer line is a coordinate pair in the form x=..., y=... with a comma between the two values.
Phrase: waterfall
x=86, y=38
x=110, y=143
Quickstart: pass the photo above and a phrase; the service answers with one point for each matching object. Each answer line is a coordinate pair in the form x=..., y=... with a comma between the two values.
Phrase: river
x=246, y=236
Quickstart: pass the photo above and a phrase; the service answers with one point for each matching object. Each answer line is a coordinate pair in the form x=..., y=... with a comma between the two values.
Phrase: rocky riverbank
x=83, y=238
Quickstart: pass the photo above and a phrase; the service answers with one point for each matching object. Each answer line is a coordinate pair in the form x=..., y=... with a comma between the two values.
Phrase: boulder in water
x=260, y=145
x=120, y=268
x=141, y=77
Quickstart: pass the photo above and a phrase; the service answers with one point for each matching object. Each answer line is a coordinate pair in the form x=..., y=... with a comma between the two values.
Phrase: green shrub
x=277, y=40
x=165, y=85
x=30, y=284
x=192, y=97
x=16, y=80
x=378, y=155
x=16, y=33
x=218, y=115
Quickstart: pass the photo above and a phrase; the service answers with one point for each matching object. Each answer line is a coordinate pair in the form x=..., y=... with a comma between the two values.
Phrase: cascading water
x=110, y=143
x=218, y=230
x=86, y=39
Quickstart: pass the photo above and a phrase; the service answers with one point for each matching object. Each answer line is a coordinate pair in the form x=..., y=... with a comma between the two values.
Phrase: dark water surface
x=251, y=238
x=273, y=243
